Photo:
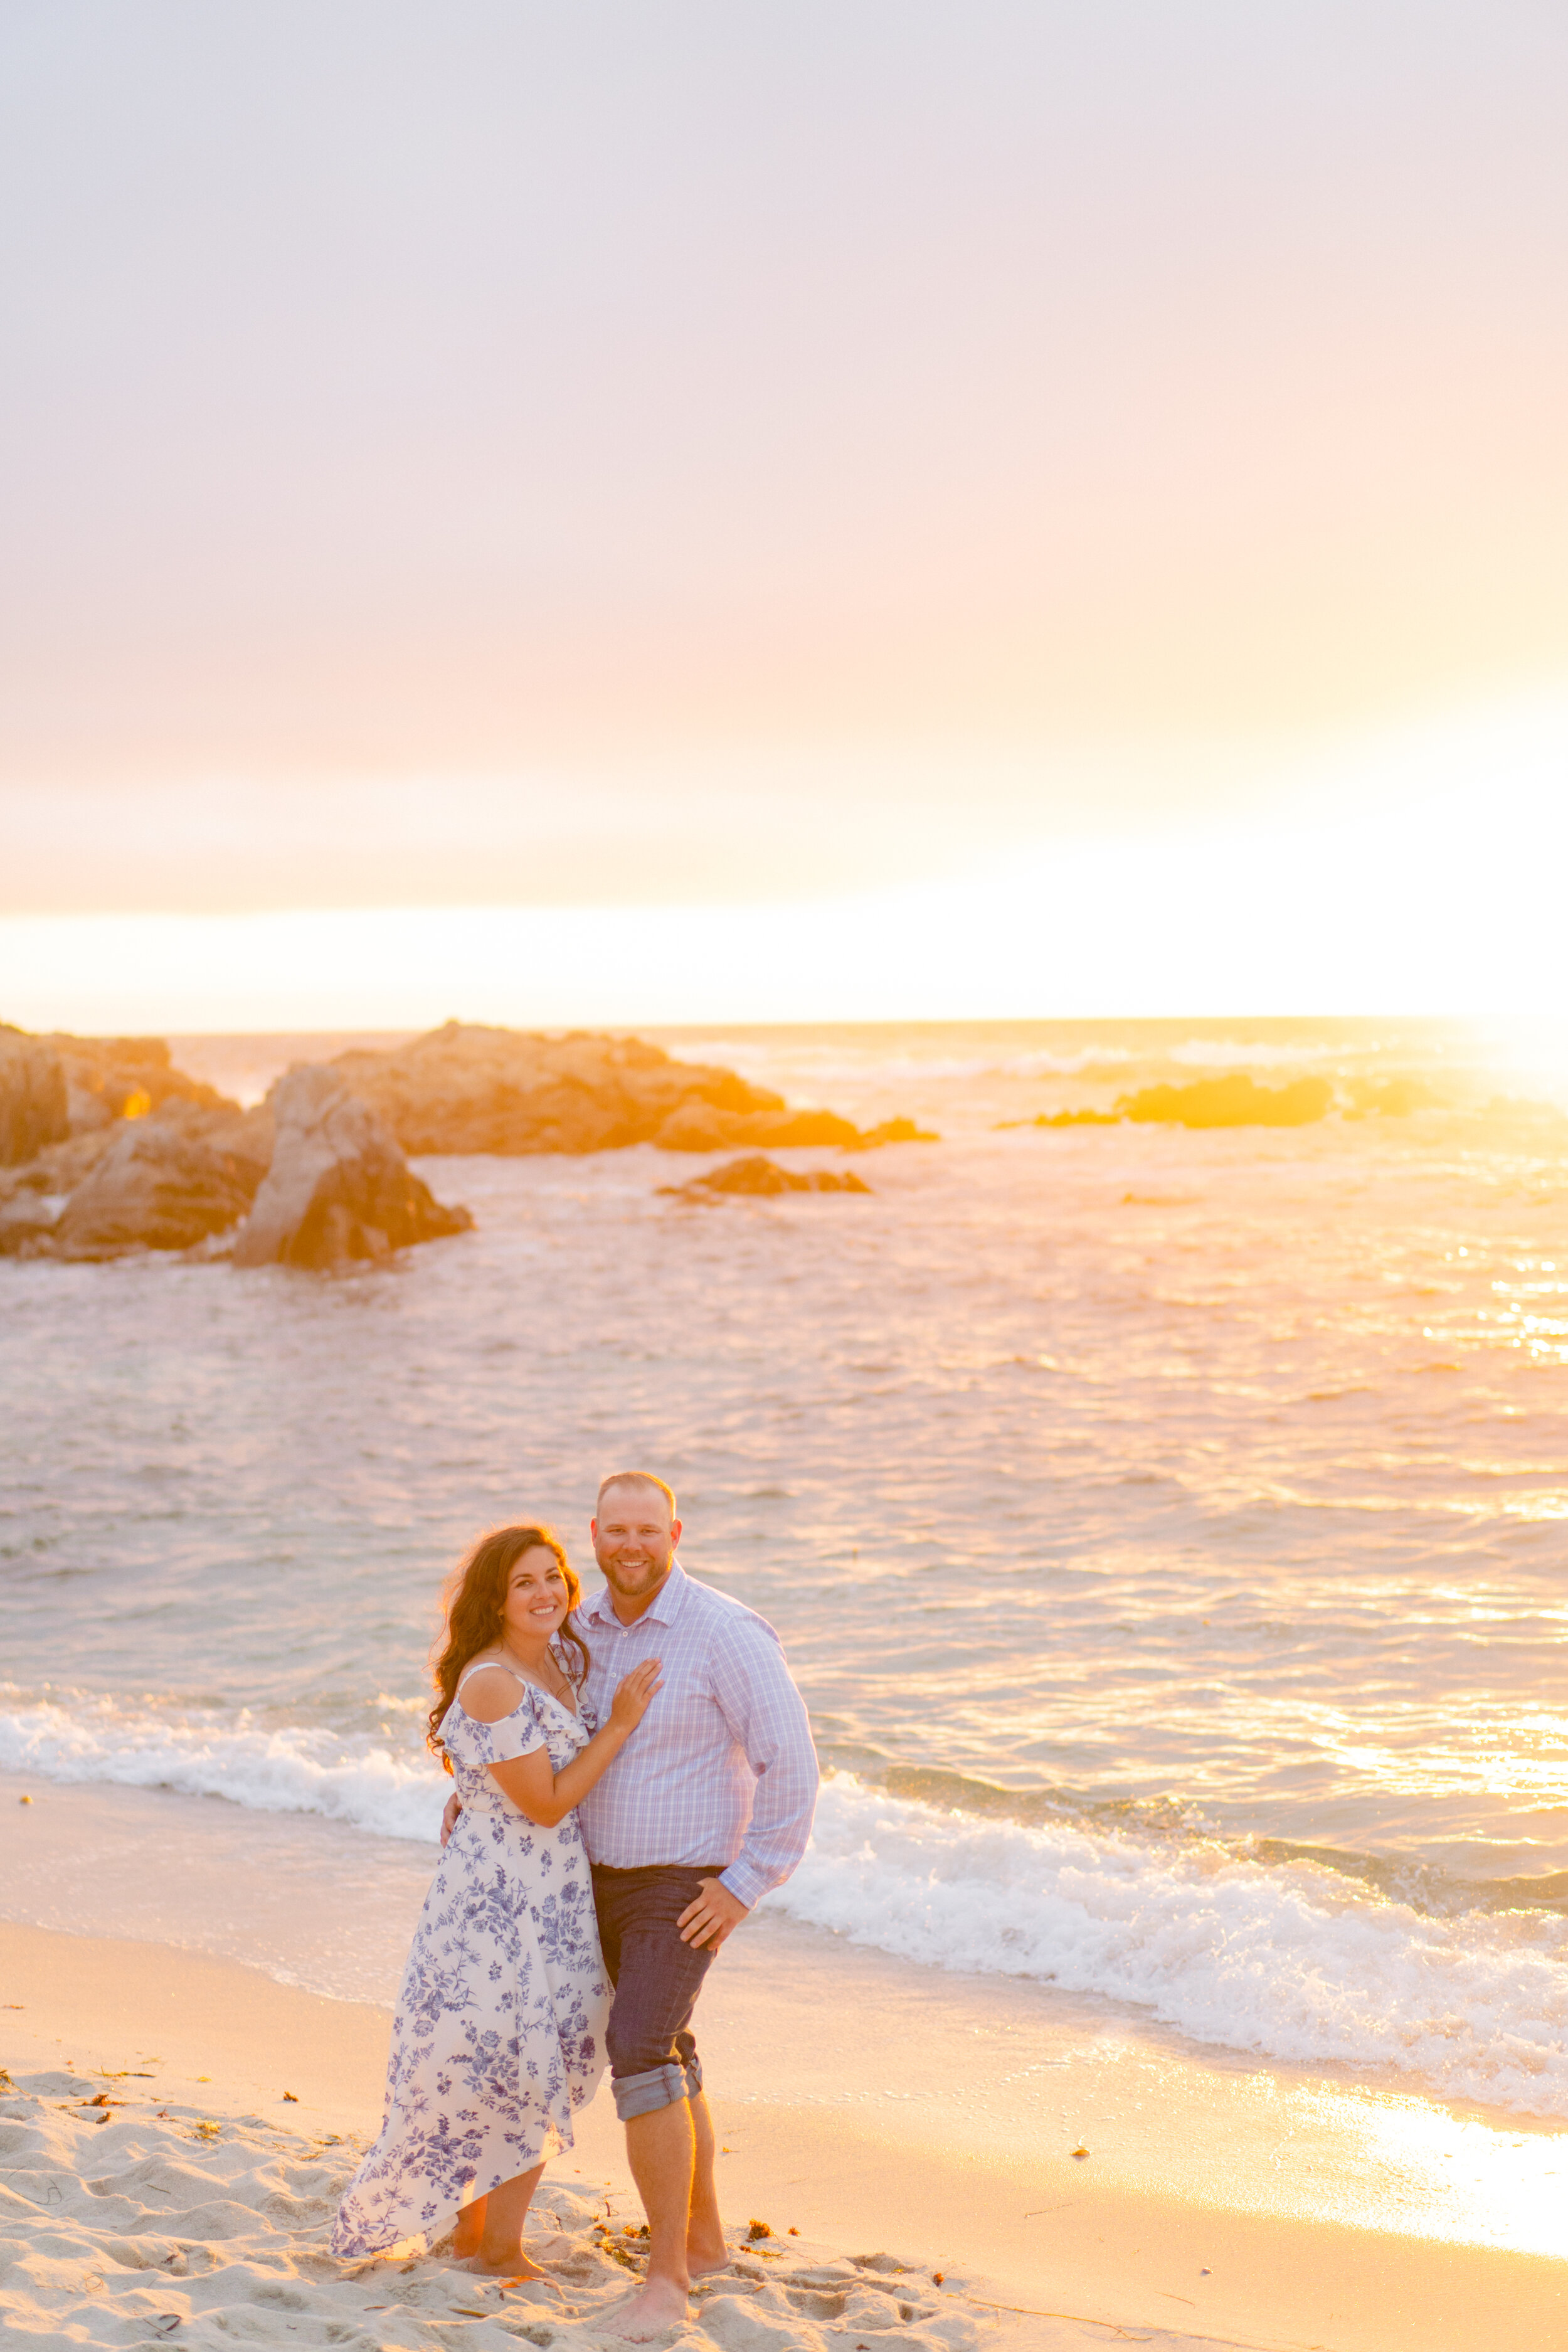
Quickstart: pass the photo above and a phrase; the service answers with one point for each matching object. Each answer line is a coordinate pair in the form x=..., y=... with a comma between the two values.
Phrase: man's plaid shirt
x=722, y=1767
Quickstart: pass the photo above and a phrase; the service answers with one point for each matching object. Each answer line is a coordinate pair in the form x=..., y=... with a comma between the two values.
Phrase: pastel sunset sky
x=634, y=511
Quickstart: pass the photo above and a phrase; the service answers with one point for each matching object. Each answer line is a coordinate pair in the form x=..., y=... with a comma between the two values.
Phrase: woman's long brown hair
x=475, y=1603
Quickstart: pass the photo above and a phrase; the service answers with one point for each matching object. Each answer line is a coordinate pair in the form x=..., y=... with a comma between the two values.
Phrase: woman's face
x=536, y=1596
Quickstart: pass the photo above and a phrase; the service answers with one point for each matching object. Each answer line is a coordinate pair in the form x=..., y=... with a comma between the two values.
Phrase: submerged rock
x=1390, y=1098
x=337, y=1190
x=462, y=1088
x=34, y=1106
x=166, y=1182
x=1065, y=1119
x=758, y=1174
x=1236, y=1101
x=897, y=1130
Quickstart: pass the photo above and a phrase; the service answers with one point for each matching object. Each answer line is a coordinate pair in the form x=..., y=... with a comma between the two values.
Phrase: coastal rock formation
x=34, y=1110
x=166, y=1182
x=56, y=1086
x=108, y=1148
x=462, y=1088
x=123, y=1077
x=27, y=1224
x=1236, y=1101
x=338, y=1189
x=758, y=1174
x=701, y=1126
x=32, y=1196
x=105, y=1147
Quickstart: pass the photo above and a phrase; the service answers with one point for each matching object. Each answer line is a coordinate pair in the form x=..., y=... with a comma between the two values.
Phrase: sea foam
x=287, y=1769
x=1289, y=1961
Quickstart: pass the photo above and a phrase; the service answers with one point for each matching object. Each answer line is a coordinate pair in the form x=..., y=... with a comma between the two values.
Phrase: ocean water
x=1169, y=1529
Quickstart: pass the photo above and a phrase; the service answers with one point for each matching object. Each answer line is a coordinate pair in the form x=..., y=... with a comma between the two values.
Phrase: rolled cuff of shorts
x=661, y=2086
x=746, y=1884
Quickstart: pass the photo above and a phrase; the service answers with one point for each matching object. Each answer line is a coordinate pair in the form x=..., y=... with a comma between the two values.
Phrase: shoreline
x=1220, y=2202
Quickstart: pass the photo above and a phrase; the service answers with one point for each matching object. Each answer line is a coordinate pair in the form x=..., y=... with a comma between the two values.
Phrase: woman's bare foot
x=468, y=2230
x=513, y=2265
x=661, y=2305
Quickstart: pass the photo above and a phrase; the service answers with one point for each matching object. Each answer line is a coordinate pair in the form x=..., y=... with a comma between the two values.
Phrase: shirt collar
x=662, y=1610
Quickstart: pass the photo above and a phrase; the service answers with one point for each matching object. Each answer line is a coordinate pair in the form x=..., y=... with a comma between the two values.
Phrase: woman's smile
x=537, y=1601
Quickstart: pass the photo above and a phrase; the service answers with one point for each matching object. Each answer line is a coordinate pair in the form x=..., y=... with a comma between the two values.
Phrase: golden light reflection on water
x=1430, y=2173
x=1282, y=2141
x=1530, y=1053
x=1387, y=2160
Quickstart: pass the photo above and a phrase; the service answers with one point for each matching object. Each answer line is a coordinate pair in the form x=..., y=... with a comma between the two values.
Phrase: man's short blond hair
x=636, y=1478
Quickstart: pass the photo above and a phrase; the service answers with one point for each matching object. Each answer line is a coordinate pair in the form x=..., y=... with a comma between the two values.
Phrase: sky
x=643, y=511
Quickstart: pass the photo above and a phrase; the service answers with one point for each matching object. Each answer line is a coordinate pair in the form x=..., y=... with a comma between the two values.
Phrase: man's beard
x=647, y=1572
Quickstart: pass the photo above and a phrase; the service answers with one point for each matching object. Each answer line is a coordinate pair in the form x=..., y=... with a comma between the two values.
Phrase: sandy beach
x=158, y=2183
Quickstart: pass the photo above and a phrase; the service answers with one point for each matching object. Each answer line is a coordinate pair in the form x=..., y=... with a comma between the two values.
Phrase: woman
x=500, y=2025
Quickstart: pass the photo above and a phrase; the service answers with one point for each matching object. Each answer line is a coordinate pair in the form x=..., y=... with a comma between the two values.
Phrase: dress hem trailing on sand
x=499, y=2033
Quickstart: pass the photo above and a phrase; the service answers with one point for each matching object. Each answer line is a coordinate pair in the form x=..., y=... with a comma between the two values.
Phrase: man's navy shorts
x=657, y=1977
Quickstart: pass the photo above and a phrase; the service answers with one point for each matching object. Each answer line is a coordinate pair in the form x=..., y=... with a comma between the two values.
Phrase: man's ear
x=674, y=1533
x=593, y=1531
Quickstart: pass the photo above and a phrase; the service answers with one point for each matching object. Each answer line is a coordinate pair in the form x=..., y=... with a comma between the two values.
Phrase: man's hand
x=449, y=1818
x=715, y=1915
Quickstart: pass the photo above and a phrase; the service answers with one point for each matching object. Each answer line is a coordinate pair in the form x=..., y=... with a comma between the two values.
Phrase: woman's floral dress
x=499, y=2033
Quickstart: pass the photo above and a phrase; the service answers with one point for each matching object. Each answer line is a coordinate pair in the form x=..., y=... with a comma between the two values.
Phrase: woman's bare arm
x=545, y=1795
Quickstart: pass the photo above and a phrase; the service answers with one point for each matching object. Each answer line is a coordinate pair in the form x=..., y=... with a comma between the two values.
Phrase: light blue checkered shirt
x=722, y=1767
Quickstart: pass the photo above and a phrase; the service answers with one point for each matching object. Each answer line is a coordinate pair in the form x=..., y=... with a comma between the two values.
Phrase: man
x=707, y=1806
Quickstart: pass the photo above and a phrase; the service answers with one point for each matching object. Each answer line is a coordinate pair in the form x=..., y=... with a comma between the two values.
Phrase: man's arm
x=767, y=1714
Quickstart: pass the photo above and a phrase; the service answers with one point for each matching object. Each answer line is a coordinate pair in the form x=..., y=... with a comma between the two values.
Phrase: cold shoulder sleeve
x=517, y=1734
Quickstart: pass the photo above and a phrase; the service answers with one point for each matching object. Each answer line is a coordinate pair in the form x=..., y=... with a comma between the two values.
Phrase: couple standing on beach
x=632, y=1777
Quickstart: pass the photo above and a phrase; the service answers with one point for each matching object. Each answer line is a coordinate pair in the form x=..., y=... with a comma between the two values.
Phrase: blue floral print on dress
x=499, y=2033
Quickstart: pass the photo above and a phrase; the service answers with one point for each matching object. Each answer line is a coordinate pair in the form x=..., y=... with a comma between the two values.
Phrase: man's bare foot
x=660, y=2306
x=704, y=2256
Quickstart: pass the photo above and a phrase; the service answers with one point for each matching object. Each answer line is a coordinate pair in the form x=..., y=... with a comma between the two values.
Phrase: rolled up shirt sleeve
x=767, y=1717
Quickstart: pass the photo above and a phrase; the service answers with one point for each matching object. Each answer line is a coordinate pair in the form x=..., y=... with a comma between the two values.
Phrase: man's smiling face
x=634, y=1539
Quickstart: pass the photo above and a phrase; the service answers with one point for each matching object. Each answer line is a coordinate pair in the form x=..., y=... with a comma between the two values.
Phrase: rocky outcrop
x=513, y=1091
x=27, y=1224
x=56, y=1087
x=148, y=1158
x=1236, y=1101
x=33, y=1109
x=759, y=1175
x=337, y=1190
x=123, y=1077
x=701, y=1126
x=166, y=1182
x=32, y=1197
x=106, y=1147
